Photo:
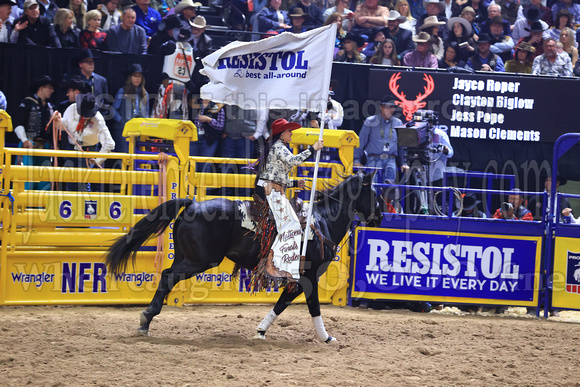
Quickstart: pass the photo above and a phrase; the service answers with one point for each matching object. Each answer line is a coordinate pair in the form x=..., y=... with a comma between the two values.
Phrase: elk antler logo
x=410, y=107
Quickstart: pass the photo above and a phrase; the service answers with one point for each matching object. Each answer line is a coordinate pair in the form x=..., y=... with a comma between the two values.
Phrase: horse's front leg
x=285, y=299
x=314, y=309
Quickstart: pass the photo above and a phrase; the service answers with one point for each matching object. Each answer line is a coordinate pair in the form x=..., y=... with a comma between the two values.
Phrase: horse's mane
x=333, y=190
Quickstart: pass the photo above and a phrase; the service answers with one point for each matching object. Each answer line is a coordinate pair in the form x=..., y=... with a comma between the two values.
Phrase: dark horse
x=206, y=232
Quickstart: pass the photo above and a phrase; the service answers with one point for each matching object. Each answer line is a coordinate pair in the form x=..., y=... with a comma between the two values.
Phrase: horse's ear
x=368, y=177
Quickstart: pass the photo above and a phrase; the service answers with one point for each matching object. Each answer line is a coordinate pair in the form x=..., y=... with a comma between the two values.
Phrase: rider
x=271, y=182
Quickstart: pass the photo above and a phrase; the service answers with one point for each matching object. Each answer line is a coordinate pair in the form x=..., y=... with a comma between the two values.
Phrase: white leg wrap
x=319, y=327
x=268, y=320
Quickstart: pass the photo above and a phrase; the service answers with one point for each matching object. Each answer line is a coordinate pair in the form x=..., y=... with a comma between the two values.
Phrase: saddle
x=258, y=212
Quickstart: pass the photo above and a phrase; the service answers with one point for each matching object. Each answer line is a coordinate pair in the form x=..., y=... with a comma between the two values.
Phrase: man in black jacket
x=34, y=29
x=403, y=38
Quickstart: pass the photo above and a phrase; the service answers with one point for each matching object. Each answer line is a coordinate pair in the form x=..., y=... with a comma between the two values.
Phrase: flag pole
x=314, y=179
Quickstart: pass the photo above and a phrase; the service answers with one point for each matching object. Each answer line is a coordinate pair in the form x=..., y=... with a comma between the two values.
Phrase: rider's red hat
x=280, y=125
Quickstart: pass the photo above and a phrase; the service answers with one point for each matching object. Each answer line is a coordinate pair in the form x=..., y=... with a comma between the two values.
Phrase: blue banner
x=440, y=265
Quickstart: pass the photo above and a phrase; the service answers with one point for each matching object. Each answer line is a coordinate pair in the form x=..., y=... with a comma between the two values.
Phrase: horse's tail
x=151, y=225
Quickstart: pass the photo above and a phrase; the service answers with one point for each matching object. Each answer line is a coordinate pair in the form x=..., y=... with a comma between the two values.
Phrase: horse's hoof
x=331, y=340
x=143, y=331
x=261, y=335
x=143, y=319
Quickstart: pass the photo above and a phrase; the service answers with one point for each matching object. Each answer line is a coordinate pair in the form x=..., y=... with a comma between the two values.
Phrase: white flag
x=287, y=71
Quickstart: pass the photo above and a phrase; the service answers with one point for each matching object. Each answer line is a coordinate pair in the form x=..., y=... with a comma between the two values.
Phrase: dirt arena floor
x=214, y=345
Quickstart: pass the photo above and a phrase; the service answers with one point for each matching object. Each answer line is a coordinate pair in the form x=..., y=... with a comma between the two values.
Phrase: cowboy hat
x=535, y=27
x=169, y=23
x=9, y=2
x=484, y=38
x=394, y=15
x=532, y=14
x=82, y=56
x=466, y=25
x=439, y=3
x=86, y=105
x=431, y=21
x=186, y=4
x=423, y=37
x=525, y=46
x=355, y=38
x=388, y=100
x=134, y=68
x=299, y=12
x=40, y=81
x=281, y=125
x=77, y=83
x=470, y=201
x=497, y=19
x=199, y=22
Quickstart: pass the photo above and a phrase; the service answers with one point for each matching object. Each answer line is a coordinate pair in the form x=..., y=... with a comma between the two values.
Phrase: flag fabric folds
x=287, y=71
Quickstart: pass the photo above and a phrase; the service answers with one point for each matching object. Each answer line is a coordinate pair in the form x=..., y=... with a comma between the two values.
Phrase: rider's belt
x=269, y=185
x=383, y=156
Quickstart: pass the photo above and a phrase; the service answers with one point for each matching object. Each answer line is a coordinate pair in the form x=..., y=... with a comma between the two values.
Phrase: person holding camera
x=513, y=209
x=378, y=137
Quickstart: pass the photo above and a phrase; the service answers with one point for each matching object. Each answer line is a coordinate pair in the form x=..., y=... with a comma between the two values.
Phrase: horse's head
x=366, y=205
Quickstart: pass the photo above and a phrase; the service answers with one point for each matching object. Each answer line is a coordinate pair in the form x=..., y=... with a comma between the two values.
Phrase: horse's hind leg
x=285, y=299
x=169, y=278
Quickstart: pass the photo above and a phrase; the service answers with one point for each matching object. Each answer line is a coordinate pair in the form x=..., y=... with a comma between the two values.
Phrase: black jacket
x=40, y=33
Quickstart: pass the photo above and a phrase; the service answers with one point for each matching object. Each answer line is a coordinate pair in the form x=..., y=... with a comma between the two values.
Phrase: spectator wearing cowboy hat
x=84, y=65
x=501, y=44
x=147, y=17
x=403, y=38
x=30, y=122
x=470, y=207
x=523, y=58
x=297, y=19
x=461, y=32
x=485, y=60
x=272, y=18
x=73, y=87
x=378, y=141
x=434, y=8
x=544, y=12
x=127, y=37
x=376, y=38
x=131, y=101
x=349, y=51
x=187, y=11
x=535, y=38
x=201, y=43
x=551, y=62
x=6, y=20
x=420, y=56
x=87, y=130
x=522, y=26
x=163, y=42
x=315, y=19
x=34, y=29
x=431, y=26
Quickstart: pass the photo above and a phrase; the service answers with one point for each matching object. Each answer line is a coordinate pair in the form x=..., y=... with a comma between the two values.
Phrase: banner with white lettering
x=446, y=266
x=289, y=71
x=496, y=107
